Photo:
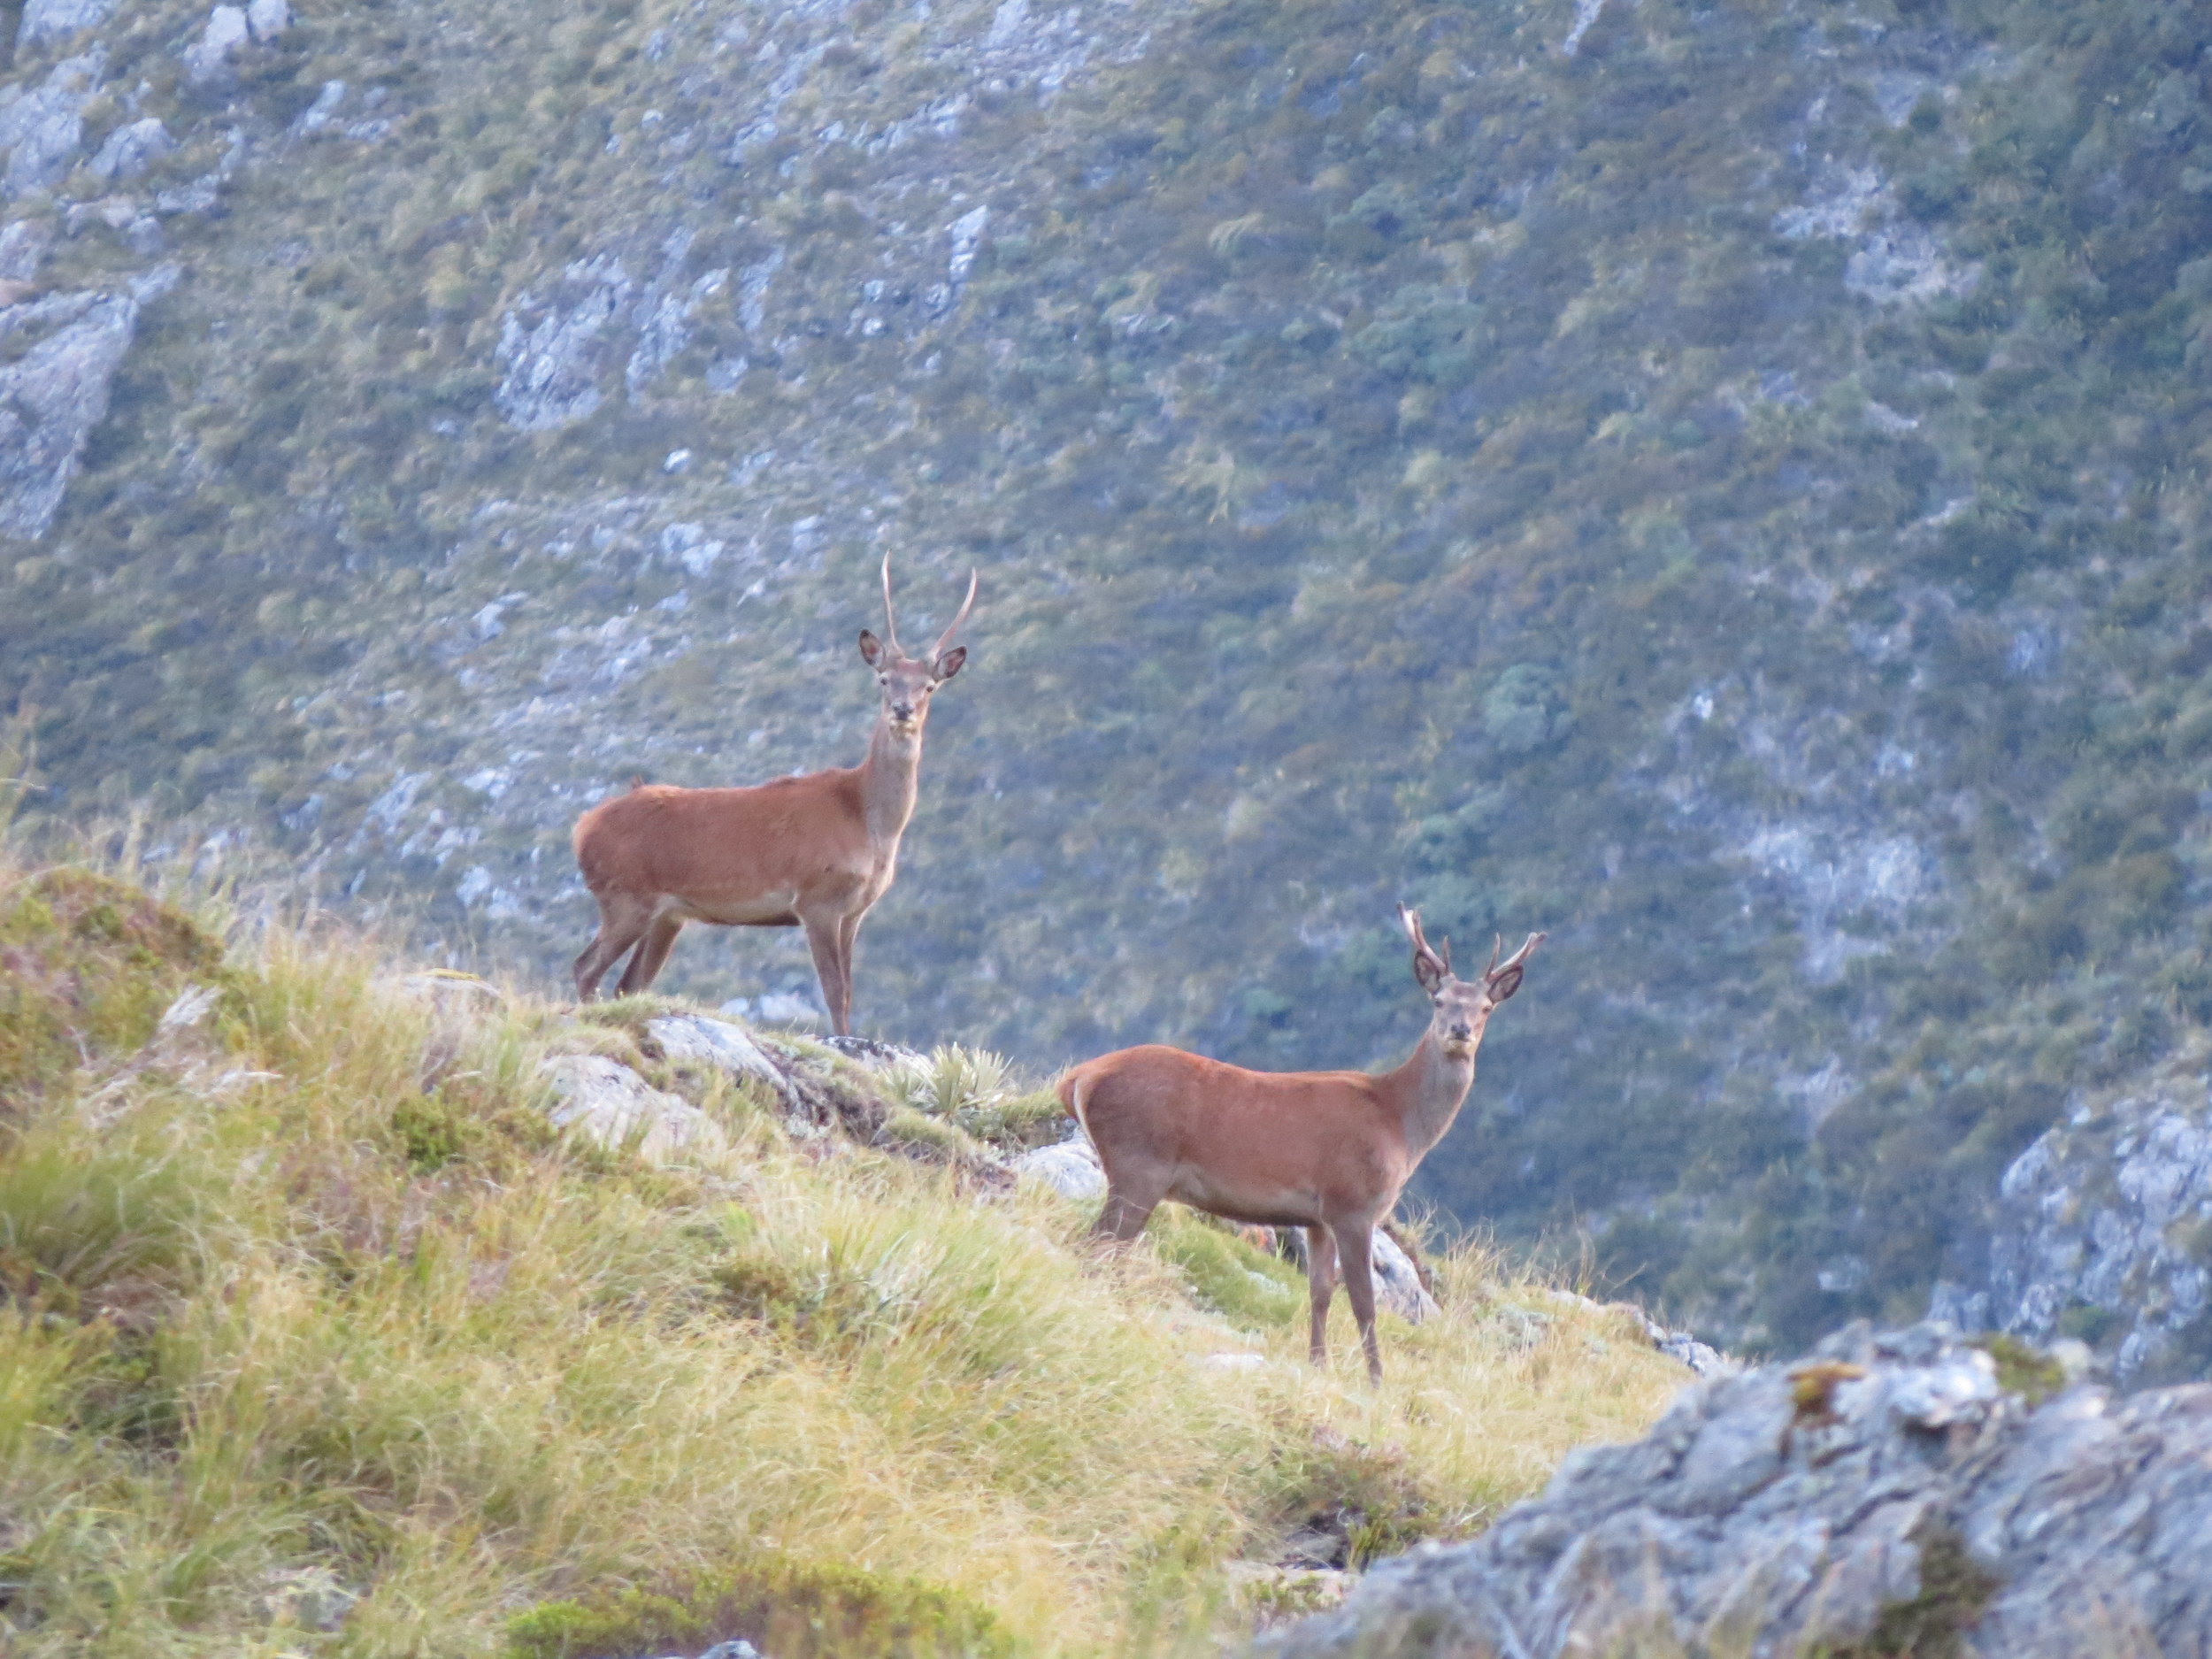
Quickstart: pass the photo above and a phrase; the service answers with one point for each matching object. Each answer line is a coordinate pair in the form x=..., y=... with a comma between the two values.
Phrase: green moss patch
x=2023, y=1369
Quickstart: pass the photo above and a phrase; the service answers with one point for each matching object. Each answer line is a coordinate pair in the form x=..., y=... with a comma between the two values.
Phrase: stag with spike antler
x=814, y=851
x=1328, y=1151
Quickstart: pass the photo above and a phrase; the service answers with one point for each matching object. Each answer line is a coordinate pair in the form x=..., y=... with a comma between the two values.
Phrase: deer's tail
x=1071, y=1089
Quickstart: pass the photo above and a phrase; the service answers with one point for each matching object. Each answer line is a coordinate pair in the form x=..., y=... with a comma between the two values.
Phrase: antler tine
x=1497, y=943
x=967, y=604
x=1516, y=958
x=890, y=621
x=1410, y=921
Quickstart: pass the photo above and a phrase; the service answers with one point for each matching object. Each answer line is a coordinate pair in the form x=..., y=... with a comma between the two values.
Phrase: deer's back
x=795, y=833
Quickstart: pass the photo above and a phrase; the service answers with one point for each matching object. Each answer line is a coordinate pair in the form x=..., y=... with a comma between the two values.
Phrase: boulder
x=1888, y=1478
x=267, y=18
x=613, y=1106
x=130, y=150
x=1070, y=1169
x=716, y=1042
x=226, y=31
x=1398, y=1285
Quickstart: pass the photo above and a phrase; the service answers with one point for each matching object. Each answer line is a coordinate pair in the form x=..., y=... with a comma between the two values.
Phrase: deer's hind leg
x=1320, y=1286
x=1125, y=1213
x=652, y=951
x=622, y=923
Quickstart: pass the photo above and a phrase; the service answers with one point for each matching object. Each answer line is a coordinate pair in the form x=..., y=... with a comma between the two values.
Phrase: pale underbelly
x=760, y=909
x=1266, y=1206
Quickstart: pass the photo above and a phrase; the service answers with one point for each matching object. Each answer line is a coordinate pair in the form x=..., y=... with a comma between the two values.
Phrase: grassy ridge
x=311, y=1320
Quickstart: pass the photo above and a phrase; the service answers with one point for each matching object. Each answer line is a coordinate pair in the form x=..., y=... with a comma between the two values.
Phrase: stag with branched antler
x=1328, y=1151
x=814, y=851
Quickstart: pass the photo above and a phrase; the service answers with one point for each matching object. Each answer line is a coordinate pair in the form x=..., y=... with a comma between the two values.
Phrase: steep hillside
x=316, y=1336
x=1722, y=485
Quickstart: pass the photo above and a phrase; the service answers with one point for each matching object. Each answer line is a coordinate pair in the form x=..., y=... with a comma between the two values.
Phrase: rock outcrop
x=2103, y=1234
x=57, y=392
x=42, y=128
x=1887, y=1485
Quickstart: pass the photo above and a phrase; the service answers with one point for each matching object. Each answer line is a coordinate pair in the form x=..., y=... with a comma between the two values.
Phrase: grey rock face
x=23, y=245
x=55, y=393
x=41, y=130
x=606, y=1102
x=267, y=18
x=553, y=351
x=2105, y=1231
x=129, y=151
x=1784, y=1510
x=48, y=19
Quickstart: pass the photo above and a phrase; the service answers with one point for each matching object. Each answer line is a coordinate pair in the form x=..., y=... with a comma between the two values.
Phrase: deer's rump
x=743, y=858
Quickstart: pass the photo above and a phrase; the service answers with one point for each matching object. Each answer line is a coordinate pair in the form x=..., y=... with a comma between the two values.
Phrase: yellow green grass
x=300, y=1301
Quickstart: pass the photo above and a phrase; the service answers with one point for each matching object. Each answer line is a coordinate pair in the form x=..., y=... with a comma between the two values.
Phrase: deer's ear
x=871, y=649
x=1429, y=971
x=948, y=665
x=1504, y=986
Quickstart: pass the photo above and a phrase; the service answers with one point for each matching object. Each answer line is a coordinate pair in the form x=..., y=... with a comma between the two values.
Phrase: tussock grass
x=308, y=1313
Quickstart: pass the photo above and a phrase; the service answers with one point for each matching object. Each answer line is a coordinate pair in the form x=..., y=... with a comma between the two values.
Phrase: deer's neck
x=1429, y=1090
x=890, y=778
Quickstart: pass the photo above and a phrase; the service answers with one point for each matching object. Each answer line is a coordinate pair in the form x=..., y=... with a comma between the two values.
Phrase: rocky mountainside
x=1888, y=1496
x=2103, y=1229
x=1722, y=484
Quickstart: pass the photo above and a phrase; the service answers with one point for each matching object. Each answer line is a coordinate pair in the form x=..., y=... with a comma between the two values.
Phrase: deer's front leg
x=848, y=933
x=1354, y=1246
x=821, y=942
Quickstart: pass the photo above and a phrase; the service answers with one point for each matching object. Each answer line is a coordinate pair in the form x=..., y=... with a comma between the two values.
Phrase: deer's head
x=1462, y=1007
x=907, y=683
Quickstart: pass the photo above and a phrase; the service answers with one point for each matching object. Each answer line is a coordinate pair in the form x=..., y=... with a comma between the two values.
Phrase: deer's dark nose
x=1462, y=1029
x=901, y=711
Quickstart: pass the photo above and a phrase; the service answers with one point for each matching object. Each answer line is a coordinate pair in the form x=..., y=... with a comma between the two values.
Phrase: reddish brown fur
x=719, y=846
x=1329, y=1151
x=815, y=851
